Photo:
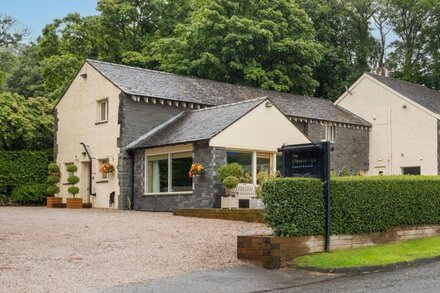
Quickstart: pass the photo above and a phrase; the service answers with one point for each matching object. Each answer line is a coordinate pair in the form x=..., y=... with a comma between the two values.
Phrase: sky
x=35, y=14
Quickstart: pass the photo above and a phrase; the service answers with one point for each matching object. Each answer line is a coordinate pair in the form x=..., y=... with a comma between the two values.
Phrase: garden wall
x=273, y=252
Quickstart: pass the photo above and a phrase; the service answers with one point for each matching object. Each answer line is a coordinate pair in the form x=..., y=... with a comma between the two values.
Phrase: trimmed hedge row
x=24, y=167
x=295, y=206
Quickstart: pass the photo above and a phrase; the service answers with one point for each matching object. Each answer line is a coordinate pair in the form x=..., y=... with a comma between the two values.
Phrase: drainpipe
x=90, y=172
x=131, y=154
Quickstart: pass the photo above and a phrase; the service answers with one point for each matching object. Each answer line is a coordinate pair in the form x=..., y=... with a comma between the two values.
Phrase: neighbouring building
x=153, y=125
x=404, y=136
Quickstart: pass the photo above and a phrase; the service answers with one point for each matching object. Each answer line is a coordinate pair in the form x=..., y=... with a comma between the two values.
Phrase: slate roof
x=156, y=84
x=195, y=125
x=426, y=97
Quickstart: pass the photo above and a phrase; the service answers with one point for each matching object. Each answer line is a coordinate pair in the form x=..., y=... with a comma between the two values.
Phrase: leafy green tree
x=11, y=32
x=26, y=79
x=130, y=25
x=258, y=43
x=414, y=22
x=57, y=71
x=8, y=61
x=348, y=48
x=25, y=123
x=72, y=34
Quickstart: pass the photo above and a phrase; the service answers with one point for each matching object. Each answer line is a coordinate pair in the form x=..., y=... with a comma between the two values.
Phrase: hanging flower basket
x=196, y=170
x=107, y=168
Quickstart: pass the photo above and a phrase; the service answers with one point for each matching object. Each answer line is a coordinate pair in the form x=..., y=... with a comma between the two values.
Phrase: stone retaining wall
x=273, y=252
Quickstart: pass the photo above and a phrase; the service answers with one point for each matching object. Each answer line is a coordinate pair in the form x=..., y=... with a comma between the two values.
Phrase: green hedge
x=24, y=167
x=295, y=207
x=30, y=194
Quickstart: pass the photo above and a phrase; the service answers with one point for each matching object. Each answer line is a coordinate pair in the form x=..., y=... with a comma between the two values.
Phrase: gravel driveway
x=61, y=250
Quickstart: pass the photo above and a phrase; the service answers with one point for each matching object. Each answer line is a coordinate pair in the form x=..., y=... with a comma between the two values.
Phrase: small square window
x=102, y=111
x=328, y=133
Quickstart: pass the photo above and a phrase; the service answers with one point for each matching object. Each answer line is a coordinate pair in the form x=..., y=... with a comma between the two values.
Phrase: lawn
x=404, y=251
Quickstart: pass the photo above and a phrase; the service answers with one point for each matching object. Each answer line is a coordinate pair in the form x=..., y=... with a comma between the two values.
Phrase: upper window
x=328, y=133
x=102, y=111
x=168, y=173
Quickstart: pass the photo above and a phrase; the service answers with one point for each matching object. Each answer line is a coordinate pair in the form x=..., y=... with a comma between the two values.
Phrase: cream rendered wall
x=77, y=115
x=262, y=129
x=400, y=137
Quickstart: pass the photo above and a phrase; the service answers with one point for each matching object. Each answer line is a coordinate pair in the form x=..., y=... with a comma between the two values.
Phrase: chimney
x=382, y=71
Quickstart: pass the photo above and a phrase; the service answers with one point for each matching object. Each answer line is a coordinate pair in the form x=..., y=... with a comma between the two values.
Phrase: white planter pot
x=256, y=203
x=229, y=202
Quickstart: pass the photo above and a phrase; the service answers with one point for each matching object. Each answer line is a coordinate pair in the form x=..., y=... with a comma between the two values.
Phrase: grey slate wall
x=136, y=119
x=351, y=147
x=206, y=188
x=438, y=147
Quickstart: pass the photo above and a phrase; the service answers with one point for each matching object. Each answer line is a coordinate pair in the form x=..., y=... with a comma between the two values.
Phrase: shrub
x=295, y=206
x=53, y=179
x=230, y=182
x=246, y=178
x=29, y=194
x=72, y=179
x=227, y=170
x=21, y=166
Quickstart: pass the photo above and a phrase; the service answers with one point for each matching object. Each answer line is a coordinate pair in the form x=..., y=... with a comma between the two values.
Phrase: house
x=404, y=137
x=152, y=125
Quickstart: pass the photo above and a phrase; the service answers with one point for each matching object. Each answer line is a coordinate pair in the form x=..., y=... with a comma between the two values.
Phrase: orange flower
x=195, y=170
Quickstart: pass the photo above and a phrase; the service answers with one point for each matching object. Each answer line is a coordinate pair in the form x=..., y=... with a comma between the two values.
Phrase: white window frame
x=99, y=111
x=329, y=133
x=170, y=174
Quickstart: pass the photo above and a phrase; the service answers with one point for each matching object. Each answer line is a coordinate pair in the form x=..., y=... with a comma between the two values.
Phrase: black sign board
x=310, y=160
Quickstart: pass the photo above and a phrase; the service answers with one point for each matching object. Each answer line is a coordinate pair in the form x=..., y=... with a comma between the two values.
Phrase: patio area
x=61, y=250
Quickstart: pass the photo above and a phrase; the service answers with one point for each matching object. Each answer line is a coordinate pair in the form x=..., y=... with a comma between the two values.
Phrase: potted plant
x=73, y=203
x=107, y=168
x=52, y=179
x=228, y=201
x=196, y=170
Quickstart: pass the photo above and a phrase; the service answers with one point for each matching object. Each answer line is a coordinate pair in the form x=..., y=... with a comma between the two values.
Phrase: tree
x=11, y=32
x=8, y=61
x=57, y=71
x=25, y=79
x=342, y=28
x=413, y=22
x=72, y=34
x=130, y=25
x=381, y=9
x=25, y=123
x=256, y=43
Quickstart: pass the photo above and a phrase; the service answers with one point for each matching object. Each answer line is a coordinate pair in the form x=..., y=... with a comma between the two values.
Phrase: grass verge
x=379, y=255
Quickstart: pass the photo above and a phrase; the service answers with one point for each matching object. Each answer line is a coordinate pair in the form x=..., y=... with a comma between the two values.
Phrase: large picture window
x=168, y=173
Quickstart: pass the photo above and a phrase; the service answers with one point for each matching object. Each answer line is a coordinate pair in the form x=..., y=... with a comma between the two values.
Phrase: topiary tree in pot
x=53, y=179
x=73, y=203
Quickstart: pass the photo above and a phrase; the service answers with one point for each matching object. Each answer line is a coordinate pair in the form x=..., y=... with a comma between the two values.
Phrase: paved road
x=247, y=278
x=424, y=278
x=239, y=279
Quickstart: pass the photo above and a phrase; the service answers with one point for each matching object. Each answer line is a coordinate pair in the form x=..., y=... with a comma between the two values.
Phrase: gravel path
x=61, y=250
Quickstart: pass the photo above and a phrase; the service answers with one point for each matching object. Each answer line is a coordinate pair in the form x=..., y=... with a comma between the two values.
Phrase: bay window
x=168, y=173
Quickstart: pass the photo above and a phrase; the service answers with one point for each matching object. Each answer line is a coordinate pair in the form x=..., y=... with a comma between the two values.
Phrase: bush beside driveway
x=53, y=250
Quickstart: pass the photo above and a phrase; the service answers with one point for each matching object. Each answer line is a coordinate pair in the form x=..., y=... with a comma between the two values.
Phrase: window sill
x=101, y=122
x=102, y=181
x=169, y=193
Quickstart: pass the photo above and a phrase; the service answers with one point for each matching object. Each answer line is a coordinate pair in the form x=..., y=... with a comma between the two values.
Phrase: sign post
x=310, y=160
